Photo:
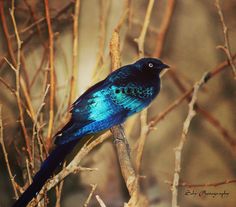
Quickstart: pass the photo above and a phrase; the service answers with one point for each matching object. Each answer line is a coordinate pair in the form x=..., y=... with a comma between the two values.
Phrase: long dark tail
x=48, y=167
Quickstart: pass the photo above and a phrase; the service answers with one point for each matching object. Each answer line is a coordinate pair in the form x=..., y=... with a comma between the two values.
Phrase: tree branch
x=52, y=73
x=75, y=70
x=179, y=148
x=226, y=47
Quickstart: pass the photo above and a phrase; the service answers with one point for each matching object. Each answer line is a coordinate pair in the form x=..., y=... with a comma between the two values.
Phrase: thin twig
x=103, y=14
x=7, y=85
x=226, y=47
x=27, y=98
x=6, y=156
x=6, y=33
x=59, y=191
x=9, y=41
x=164, y=27
x=28, y=170
x=140, y=39
x=179, y=148
x=94, y=186
x=139, y=147
x=52, y=73
x=144, y=126
x=216, y=123
x=39, y=69
x=74, y=76
x=17, y=92
x=100, y=201
x=36, y=127
x=36, y=23
x=190, y=185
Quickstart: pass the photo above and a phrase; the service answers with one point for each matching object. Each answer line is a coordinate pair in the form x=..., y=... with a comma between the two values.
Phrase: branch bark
x=52, y=73
x=121, y=143
x=179, y=148
x=74, y=76
x=226, y=47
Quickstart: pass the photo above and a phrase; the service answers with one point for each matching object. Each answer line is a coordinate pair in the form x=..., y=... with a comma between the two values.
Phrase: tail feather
x=48, y=167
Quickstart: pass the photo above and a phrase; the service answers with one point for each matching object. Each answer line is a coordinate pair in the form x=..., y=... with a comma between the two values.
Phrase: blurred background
x=188, y=43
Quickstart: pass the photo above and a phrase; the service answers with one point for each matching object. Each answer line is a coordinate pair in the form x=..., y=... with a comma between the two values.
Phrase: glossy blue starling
x=110, y=102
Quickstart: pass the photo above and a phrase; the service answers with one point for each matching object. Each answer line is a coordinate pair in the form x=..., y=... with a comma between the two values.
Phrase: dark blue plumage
x=124, y=92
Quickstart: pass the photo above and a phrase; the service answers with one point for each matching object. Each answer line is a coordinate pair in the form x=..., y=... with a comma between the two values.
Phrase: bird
x=124, y=92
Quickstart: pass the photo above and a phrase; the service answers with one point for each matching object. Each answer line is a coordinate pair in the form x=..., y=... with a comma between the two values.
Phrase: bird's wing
x=80, y=111
x=102, y=103
x=131, y=97
x=95, y=103
x=90, y=109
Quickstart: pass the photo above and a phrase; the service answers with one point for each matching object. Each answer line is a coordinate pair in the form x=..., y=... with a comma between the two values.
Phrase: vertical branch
x=121, y=143
x=6, y=33
x=179, y=148
x=36, y=21
x=124, y=158
x=104, y=5
x=27, y=98
x=226, y=47
x=52, y=73
x=164, y=27
x=141, y=38
x=115, y=51
x=6, y=156
x=127, y=170
x=100, y=201
x=59, y=192
x=141, y=140
x=94, y=186
x=103, y=14
x=74, y=75
x=144, y=127
x=17, y=73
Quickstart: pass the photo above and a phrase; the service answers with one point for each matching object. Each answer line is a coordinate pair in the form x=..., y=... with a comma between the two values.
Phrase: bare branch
x=164, y=27
x=6, y=156
x=179, y=148
x=52, y=73
x=100, y=201
x=226, y=47
x=94, y=186
x=140, y=39
x=17, y=91
x=190, y=185
x=75, y=70
x=144, y=126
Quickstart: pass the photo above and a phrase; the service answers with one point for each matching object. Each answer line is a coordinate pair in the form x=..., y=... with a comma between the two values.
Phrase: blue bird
x=110, y=102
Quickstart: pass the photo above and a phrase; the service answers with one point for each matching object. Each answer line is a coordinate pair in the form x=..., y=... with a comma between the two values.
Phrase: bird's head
x=152, y=64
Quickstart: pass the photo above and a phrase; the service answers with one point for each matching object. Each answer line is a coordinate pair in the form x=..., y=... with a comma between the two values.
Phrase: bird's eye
x=150, y=65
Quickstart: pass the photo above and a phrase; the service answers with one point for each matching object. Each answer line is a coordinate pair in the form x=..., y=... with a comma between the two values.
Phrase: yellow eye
x=150, y=65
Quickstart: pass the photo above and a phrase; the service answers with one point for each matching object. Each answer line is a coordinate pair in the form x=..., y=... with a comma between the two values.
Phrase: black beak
x=164, y=66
